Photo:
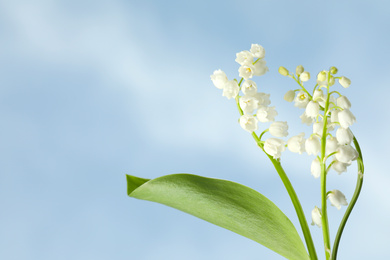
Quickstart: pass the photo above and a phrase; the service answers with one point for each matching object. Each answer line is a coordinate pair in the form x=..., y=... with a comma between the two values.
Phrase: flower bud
x=321, y=76
x=344, y=136
x=289, y=96
x=343, y=102
x=274, y=147
x=296, y=144
x=278, y=129
x=315, y=168
x=312, y=145
x=316, y=217
x=283, y=71
x=305, y=76
x=231, y=89
x=346, y=154
x=333, y=70
x=346, y=118
x=248, y=123
x=337, y=198
x=345, y=82
x=312, y=109
x=299, y=70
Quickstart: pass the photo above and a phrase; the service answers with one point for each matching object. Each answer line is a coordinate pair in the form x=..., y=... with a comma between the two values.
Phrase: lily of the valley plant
x=244, y=210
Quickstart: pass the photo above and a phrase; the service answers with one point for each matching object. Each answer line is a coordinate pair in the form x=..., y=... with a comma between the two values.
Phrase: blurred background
x=93, y=90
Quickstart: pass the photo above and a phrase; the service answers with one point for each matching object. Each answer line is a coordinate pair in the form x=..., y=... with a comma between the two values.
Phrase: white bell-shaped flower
x=246, y=71
x=344, y=136
x=315, y=168
x=249, y=87
x=318, y=127
x=346, y=118
x=312, y=145
x=266, y=114
x=339, y=167
x=244, y=58
x=289, y=96
x=331, y=145
x=305, y=76
x=258, y=51
x=248, y=104
x=346, y=154
x=345, y=82
x=306, y=120
x=260, y=68
x=343, y=102
x=312, y=109
x=231, y=89
x=316, y=217
x=337, y=199
x=319, y=97
x=296, y=144
x=274, y=147
x=301, y=99
x=263, y=98
x=249, y=123
x=219, y=79
x=334, y=116
x=278, y=129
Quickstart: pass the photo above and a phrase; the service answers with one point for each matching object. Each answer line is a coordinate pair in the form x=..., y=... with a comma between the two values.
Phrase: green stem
x=297, y=206
x=324, y=213
x=355, y=196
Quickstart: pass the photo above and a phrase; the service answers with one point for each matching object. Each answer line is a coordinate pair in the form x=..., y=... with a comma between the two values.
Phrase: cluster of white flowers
x=325, y=113
x=254, y=105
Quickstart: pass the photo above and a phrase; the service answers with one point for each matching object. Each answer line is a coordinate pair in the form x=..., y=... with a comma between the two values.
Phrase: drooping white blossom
x=305, y=76
x=248, y=104
x=346, y=154
x=312, y=145
x=331, y=145
x=289, y=96
x=263, y=98
x=246, y=71
x=339, y=167
x=345, y=82
x=296, y=144
x=318, y=128
x=219, y=79
x=260, y=68
x=343, y=102
x=344, y=136
x=249, y=87
x=312, y=109
x=274, y=147
x=244, y=58
x=231, y=89
x=257, y=51
x=278, y=129
x=346, y=118
x=337, y=199
x=266, y=114
x=301, y=99
x=319, y=97
x=334, y=116
x=306, y=120
x=316, y=217
x=249, y=123
x=315, y=168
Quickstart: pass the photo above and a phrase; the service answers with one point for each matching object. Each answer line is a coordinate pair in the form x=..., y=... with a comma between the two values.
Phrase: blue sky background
x=93, y=90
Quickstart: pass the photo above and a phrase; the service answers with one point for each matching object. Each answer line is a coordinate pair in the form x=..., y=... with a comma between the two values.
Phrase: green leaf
x=227, y=204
